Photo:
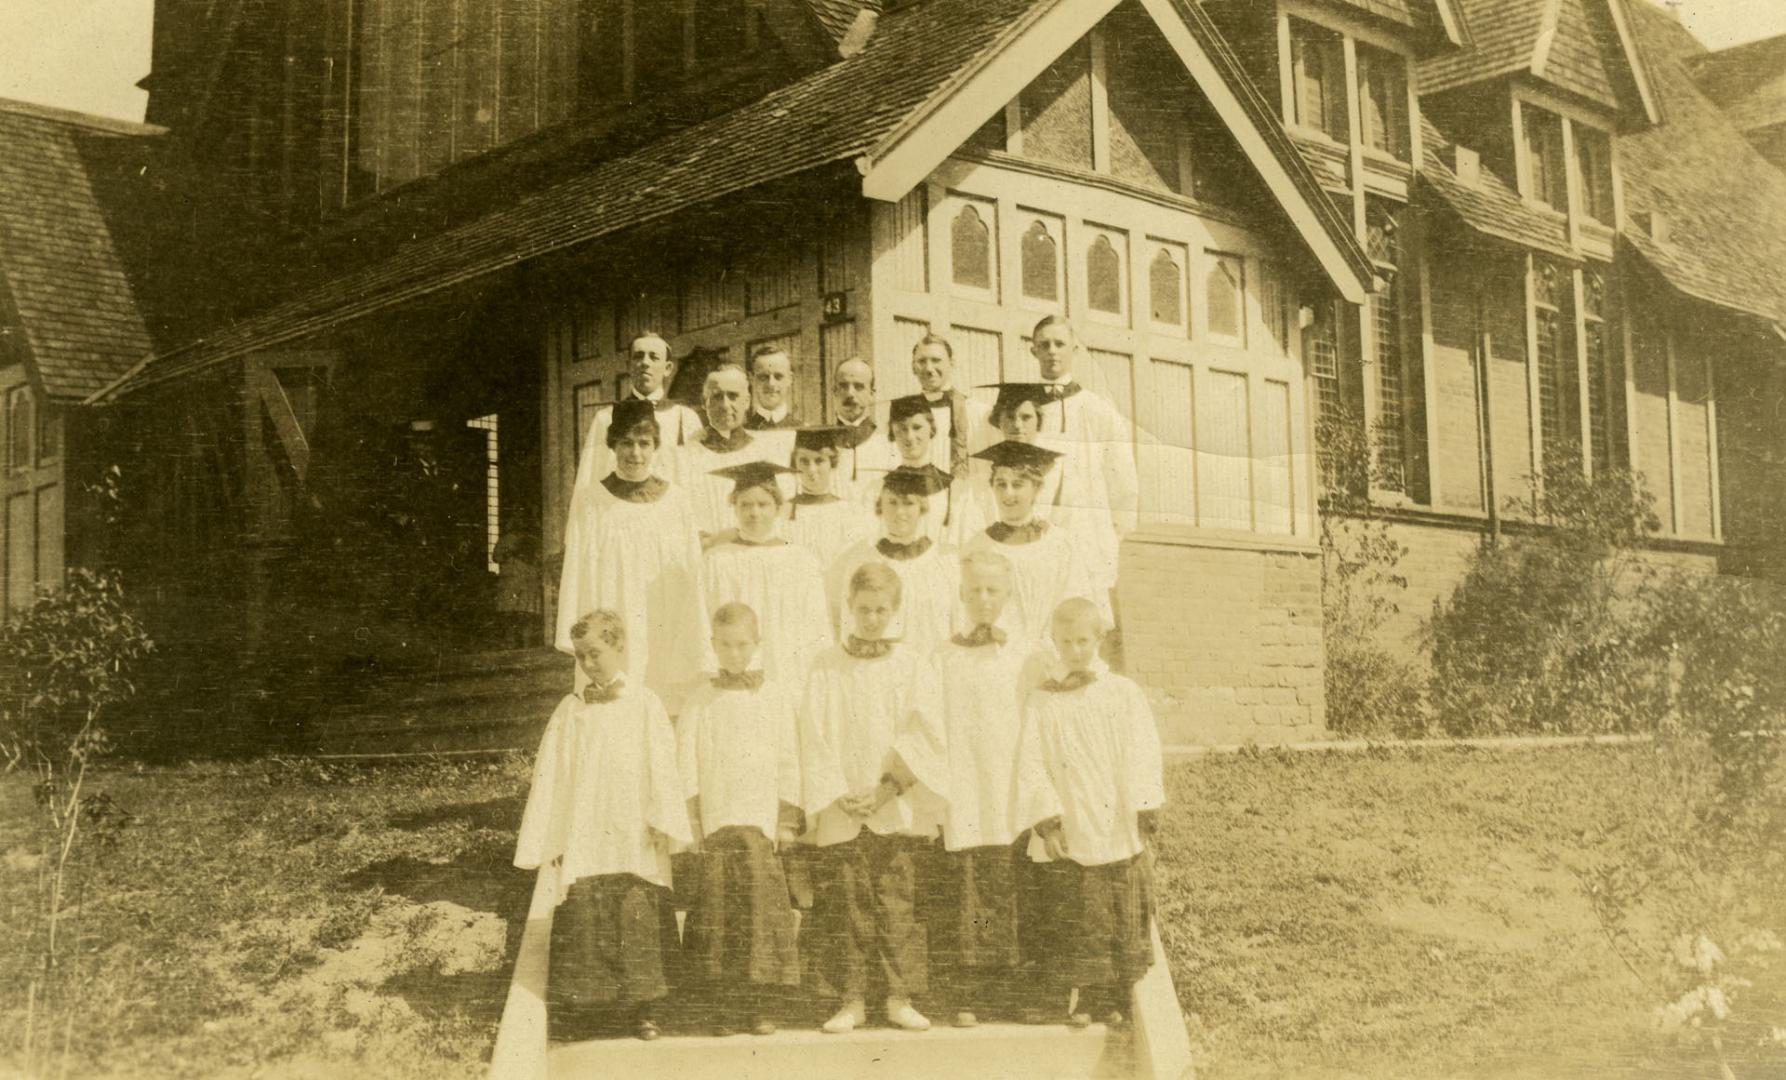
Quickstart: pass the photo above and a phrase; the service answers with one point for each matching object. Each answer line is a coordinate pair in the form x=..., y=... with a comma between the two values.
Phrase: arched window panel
x=1274, y=309
x=1165, y=286
x=1224, y=298
x=971, y=247
x=1104, y=273
x=1039, y=252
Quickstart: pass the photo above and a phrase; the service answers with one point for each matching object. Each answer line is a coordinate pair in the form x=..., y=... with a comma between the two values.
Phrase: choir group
x=851, y=680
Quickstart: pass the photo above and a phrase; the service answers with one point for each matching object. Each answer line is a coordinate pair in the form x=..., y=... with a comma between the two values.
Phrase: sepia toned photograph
x=817, y=539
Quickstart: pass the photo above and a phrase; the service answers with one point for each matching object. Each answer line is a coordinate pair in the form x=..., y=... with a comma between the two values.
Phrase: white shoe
x=846, y=1019
x=901, y=1014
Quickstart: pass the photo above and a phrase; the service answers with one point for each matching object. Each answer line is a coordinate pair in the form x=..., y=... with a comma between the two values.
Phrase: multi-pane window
x=1593, y=154
x=1388, y=350
x=1559, y=410
x=1383, y=101
x=1602, y=384
x=1318, y=65
x=1320, y=348
x=1546, y=180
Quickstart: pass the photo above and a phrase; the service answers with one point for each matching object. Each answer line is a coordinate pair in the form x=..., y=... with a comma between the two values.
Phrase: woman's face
x=1020, y=424
x=912, y=436
x=634, y=451
x=902, y=515
x=814, y=467
x=1015, y=494
x=756, y=511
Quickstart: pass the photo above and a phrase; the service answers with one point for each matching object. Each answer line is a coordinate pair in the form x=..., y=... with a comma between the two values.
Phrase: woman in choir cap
x=632, y=548
x=757, y=566
x=911, y=427
x=818, y=518
x=928, y=571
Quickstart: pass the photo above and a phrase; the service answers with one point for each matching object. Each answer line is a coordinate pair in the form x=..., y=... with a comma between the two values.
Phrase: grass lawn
x=1361, y=915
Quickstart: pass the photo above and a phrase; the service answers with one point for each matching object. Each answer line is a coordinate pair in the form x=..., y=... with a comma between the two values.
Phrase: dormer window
x=1593, y=155
x=1383, y=101
x=1318, y=64
x=1546, y=180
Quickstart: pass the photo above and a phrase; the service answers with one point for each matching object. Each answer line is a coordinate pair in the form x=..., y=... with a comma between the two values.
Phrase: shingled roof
x=838, y=113
x=1747, y=81
x=64, y=295
x=1487, y=204
x=1725, y=205
x=1577, y=46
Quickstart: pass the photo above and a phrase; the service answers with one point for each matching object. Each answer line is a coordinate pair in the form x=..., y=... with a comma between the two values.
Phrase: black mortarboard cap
x=752, y=473
x=828, y=437
x=923, y=480
x=629, y=413
x=1016, y=455
x=901, y=408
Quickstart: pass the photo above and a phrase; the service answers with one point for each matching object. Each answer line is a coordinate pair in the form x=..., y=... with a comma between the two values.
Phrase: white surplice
x=784, y=586
x=711, y=495
x=678, y=428
x=973, y=697
x=1044, y=572
x=641, y=560
x=604, y=780
x=739, y=752
x=851, y=714
x=827, y=528
x=1095, y=494
x=1100, y=750
x=930, y=587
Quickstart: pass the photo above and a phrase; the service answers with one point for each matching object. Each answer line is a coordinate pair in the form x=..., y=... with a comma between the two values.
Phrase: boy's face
x=735, y=646
x=872, y=610
x=902, y=515
x=756, y=510
x=633, y=452
x=1077, y=639
x=984, y=594
x=1053, y=350
x=1015, y=494
x=814, y=467
x=912, y=435
x=599, y=660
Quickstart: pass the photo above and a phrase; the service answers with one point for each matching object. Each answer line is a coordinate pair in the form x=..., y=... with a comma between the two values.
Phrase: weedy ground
x=1407, y=914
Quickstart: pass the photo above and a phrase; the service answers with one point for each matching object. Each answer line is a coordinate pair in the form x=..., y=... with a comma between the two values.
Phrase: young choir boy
x=1091, y=732
x=1046, y=565
x=604, y=814
x=740, y=759
x=872, y=833
x=818, y=518
x=756, y=566
x=974, y=691
x=927, y=570
x=634, y=550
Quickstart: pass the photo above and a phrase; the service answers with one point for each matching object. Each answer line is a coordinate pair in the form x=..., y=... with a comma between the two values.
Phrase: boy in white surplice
x=604, y=815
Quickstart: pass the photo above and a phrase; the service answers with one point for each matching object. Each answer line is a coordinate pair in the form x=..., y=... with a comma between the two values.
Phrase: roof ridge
x=60, y=115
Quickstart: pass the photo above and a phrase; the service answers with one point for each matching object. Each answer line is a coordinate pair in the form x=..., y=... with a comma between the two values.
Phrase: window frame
x=21, y=456
x=1308, y=38
x=1376, y=64
x=1546, y=171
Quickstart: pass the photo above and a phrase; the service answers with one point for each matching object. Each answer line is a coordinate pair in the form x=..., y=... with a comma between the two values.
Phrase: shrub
x=1541, y=635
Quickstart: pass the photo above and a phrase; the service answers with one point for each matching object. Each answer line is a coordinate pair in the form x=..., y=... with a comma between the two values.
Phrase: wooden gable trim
x=1547, y=36
x=1451, y=20
x=913, y=150
x=1634, y=61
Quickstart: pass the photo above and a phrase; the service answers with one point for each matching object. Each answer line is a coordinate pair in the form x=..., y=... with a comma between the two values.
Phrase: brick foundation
x=1226, y=640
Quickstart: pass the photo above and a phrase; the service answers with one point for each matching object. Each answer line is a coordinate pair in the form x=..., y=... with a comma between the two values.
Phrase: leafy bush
x=1541, y=635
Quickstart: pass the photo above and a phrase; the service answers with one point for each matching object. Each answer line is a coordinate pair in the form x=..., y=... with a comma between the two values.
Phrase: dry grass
x=1327, y=915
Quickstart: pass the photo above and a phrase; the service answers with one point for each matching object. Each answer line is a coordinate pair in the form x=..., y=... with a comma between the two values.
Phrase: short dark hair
x=603, y=625
x=669, y=350
x=931, y=337
x=768, y=350
x=1054, y=320
x=615, y=434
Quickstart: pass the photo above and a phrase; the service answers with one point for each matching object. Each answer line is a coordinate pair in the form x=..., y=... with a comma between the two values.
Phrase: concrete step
x=988, y=1052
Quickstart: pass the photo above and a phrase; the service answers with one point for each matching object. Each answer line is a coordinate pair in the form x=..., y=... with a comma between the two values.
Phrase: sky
x=87, y=55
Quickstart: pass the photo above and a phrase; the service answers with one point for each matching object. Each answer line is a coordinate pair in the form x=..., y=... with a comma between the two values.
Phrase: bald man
x=724, y=442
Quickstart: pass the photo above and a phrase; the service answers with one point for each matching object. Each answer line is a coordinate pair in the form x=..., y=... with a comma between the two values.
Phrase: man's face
x=599, y=660
x=634, y=450
x=735, y=646
x=1015, y=494
x=771, y=375
x=726, y=396
x=902, y=516
x=853, y=386
x=984, y=593
x=933, y=368
x=1020, y=424
x=912, y=435
x=1053, y=350
x=872, y=610
x=1076, y=639
x=756, y=510
x=814, y=467
x=649, y=364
